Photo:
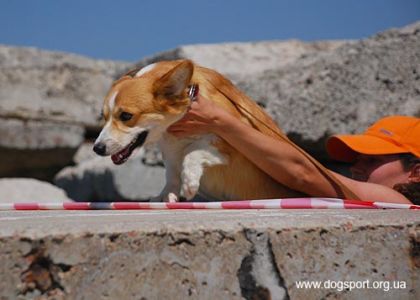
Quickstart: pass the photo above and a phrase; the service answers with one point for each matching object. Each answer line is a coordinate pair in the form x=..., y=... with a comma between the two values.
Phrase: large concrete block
x=344, y=90
x=244, y=60
x=47, y=102
x=98, y=179
x=223, y=254
x=15, y=190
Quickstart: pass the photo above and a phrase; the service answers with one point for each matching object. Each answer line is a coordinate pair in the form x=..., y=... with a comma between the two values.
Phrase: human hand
x=203, y=116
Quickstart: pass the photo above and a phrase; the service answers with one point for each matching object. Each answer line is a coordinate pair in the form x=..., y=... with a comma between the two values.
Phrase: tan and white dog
x=141, y=105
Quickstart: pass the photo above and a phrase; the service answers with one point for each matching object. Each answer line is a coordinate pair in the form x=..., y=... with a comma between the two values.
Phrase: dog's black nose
x=99, y=149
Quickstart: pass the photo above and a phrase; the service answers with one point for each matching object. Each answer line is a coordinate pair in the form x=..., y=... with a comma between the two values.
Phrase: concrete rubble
x=312, y=90
x=258, y=254
x=50, y=102
x=49, y=108
x=17, y=190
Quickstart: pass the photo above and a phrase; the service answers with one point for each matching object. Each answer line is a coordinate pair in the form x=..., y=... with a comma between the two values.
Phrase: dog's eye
x=125, y=116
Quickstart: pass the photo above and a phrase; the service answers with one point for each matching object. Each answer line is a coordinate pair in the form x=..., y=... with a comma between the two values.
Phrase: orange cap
x=390, y=135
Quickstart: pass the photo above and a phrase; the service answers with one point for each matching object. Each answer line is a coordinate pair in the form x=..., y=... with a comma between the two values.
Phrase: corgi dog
x=142, y=104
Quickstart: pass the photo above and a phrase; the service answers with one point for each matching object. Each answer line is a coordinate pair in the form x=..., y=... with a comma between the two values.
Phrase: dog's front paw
x=188, y=191
x=170, y=197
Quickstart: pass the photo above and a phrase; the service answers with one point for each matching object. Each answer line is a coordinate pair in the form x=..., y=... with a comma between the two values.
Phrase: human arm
x=372, y=191
x=277, y=158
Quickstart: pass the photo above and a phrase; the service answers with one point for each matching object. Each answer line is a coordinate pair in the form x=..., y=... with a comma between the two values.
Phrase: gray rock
x=99, y=179
x=343, y=90
x=312, y=90
x=244, y=60
x=38, y=149
x=47, y=102
x=18, y=190
x=84, y=153
x=33, y=134
x=45, y=85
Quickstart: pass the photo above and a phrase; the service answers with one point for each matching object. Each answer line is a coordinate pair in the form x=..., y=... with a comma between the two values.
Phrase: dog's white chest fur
x=185, y=161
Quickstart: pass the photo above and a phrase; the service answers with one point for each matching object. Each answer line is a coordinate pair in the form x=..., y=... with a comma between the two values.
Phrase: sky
x=130, y=30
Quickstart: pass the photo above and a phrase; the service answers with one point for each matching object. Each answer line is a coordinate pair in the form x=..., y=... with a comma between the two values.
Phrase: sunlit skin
x=375, y=176
x=386, y=170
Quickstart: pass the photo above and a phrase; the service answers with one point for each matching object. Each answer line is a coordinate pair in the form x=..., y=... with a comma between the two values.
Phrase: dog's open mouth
x=122, y=156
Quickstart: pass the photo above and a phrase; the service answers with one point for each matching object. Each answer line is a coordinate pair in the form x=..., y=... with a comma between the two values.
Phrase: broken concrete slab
x=99, y=179
x=207, y=254
x=18, y=190
x=344, y=90
x=49, y=101
x=242, y=60
x=30, y=148
x=312, y=90
x=54, y=86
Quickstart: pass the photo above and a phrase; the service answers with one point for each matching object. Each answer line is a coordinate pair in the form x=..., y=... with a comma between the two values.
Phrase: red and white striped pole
x=292, y=203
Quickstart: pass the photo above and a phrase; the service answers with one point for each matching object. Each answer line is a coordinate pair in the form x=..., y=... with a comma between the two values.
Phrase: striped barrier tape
x=290, y=203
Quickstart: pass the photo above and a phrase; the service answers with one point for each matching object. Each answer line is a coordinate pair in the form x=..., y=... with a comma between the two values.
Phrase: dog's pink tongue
x=115, y=159
x=120, y=157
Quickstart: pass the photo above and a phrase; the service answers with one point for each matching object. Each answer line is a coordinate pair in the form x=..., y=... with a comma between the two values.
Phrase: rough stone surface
x=343, y=90
x=246, y=254
x=45, y=85
x=350, y=254
x=99, y=179
x=47, y=101
x=312, y=90
x=15, y=190
x=84, y=153
x=244, y=60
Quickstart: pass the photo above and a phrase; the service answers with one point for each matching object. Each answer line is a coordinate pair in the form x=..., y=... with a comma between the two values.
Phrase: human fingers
x=202, y=110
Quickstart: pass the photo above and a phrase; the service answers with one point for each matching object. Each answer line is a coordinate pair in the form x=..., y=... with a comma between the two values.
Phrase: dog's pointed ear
x=174, y=83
